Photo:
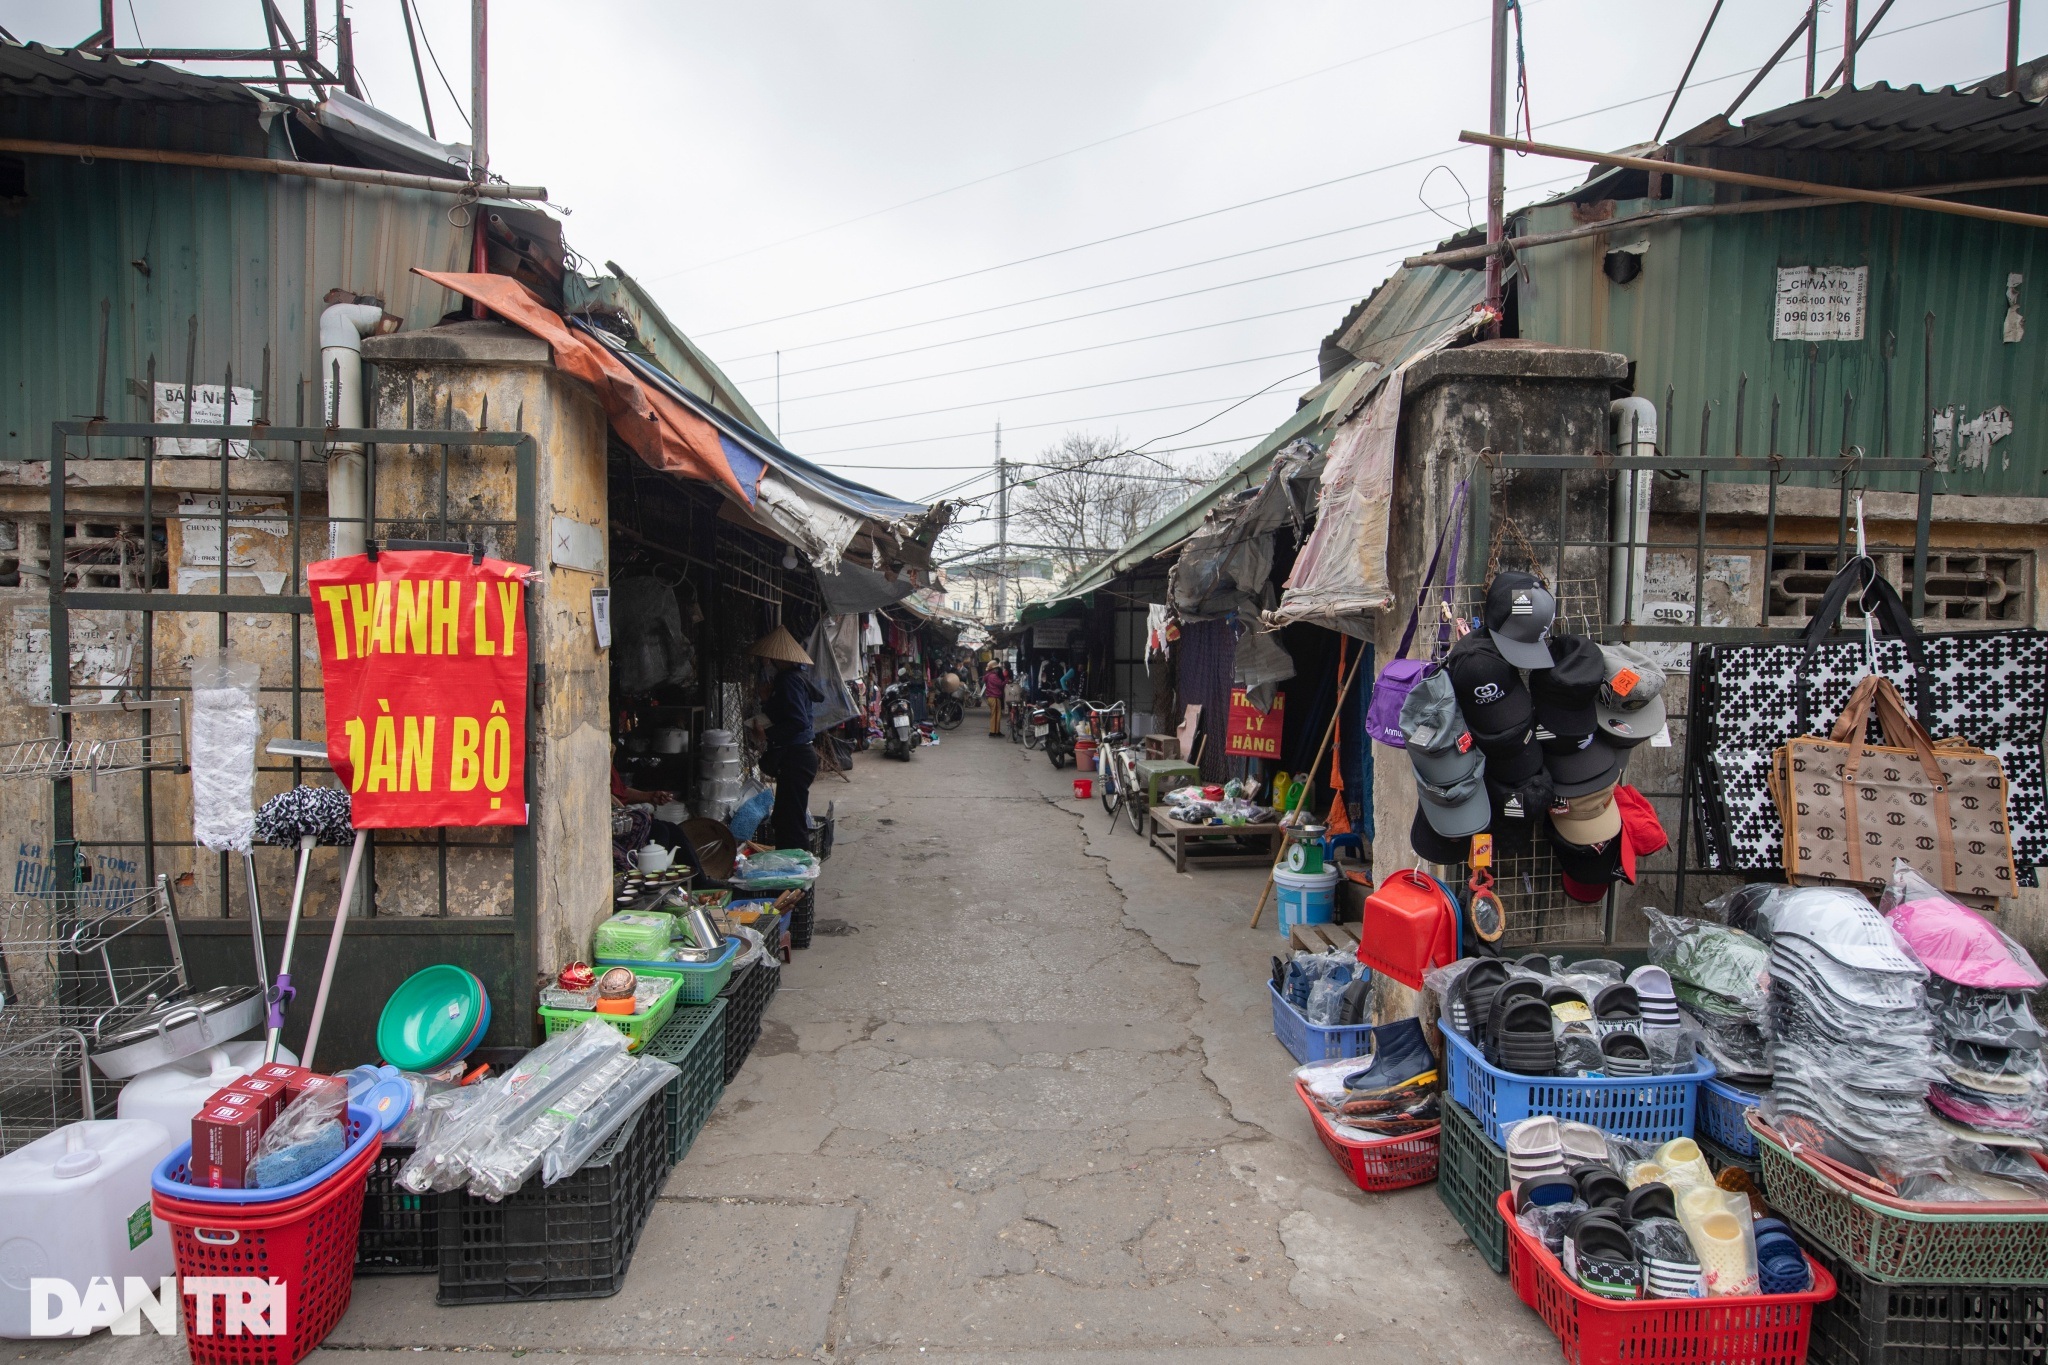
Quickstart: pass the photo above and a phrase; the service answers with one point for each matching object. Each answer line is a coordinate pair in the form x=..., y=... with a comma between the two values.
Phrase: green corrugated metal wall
x=250, y=255
x=1699, y=316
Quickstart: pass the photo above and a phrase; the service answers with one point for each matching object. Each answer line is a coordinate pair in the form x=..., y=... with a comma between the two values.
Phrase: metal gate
x=236, y=551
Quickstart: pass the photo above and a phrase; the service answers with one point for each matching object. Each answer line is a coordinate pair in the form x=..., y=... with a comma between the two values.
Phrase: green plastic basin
x=430, y=1016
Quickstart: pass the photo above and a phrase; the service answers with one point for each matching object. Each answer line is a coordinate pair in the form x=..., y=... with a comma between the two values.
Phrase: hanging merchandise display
x=1401, y=673
x=423, y=657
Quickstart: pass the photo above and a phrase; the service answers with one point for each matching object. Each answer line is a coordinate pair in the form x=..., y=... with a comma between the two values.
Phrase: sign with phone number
x=1820, y=303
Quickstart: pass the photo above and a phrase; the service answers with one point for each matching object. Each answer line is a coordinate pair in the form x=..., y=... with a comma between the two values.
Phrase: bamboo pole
x=1762, y=182
x=1314, y=767
x=266, y=165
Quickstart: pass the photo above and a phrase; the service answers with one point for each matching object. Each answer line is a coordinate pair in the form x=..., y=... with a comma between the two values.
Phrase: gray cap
x=1519, y=613
x=1439, y=743
x=1456, y=810
x=1630, y=706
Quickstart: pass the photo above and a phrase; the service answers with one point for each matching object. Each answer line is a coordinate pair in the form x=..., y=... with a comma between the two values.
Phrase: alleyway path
x=1020, y=1100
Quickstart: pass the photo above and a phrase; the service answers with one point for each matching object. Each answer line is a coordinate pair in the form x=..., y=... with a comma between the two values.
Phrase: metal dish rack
x=69, y=756
x=74, y=967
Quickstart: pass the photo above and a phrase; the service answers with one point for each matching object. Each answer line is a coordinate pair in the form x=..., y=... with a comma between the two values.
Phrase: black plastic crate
x=570, y=1240
x=1871, y=1322
x=804, y=919
x=746, y=997
x=694, y=1039
x=401, y=1232
x=1471, y=1173
x=1721, y=1158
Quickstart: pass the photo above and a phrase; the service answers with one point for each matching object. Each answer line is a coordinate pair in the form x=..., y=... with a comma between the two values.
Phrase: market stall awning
x=660, y=430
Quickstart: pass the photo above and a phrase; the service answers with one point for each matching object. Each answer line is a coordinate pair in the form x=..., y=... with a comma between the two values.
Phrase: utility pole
x=1496, y=163
x=778, y=395
x=1002, y=529
x=2012, y=47
x=1848, y=44
x=1812, y=43
x=479, y=132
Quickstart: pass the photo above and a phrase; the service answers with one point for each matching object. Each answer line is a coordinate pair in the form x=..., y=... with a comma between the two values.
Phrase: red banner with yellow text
x=1254, y=733
x=423, y=662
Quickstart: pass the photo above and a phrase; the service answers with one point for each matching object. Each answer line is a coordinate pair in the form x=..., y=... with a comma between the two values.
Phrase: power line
x=1210, y=213
x=954, y=468
x=1071, y=151
x=1050, y=393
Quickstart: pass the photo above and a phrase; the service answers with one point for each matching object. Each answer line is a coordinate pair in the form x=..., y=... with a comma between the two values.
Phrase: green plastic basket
x=694, y=1041
x=638, y=1028
x=1471, y=1174
x=1896, y=1242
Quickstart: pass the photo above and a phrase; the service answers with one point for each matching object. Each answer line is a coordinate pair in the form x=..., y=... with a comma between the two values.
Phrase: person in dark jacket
x=789, y=757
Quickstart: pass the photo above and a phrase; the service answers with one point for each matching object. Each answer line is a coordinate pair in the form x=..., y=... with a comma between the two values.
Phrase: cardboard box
x=268, y=1089
x=224, y=1142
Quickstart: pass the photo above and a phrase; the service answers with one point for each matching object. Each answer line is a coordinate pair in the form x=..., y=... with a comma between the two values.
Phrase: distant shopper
x=1048, y=677
x=992, y=689
x=789, y=757
x=1070, y=681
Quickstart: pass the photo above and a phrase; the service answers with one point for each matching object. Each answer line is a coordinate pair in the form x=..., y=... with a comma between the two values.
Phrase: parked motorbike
x=900, y=736
x=1055, y=731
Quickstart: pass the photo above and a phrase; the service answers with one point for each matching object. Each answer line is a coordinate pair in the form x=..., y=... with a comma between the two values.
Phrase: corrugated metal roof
x=1407, y=311
x=38, y=71
x=673, y=350
x=1885, y=118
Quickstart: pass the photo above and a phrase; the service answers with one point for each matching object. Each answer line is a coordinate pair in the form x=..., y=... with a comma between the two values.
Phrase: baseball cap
x=1590, y=819
x=1513, y=758
x=1586, y=767
x=1566, y=692
x=1432, y=847
x=1440, y=745
x=1490, y=692
x=1514, y=824
x=1587, y=869
x=1630, y=706
x=1519, y=611
x=1457, y=809
x=1842, y=924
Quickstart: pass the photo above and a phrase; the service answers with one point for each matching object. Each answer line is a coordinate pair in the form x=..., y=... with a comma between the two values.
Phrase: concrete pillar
x=466, y=375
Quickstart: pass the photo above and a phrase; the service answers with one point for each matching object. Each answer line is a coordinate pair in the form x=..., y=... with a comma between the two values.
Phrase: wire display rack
x=45, y=1083
x=74, y=756
x=87, y=960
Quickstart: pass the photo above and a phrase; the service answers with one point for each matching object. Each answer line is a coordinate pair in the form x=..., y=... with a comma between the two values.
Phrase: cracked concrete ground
x=1021, y=1098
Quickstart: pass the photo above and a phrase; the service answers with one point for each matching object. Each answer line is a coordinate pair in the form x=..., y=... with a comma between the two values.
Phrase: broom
x=305, y=816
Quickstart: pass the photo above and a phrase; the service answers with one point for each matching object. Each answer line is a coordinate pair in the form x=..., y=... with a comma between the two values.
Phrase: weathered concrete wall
x=472, y=375
x=1510, y=397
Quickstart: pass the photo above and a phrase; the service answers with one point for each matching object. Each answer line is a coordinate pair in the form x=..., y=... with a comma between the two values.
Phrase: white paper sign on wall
x=1820, y=303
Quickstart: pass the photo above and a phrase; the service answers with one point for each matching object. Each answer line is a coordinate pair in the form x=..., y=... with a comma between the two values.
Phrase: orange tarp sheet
x=660, y=430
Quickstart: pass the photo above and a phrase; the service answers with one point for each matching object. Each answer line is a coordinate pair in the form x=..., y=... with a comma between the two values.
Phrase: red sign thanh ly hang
x=423, y=663
x=1254, y=733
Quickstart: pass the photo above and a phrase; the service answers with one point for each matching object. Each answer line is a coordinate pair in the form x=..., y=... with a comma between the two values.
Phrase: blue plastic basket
x=700, y=981
x=1645, y=1108
x=1308, y=1042
x=173, y=1175
x=1723, y=1116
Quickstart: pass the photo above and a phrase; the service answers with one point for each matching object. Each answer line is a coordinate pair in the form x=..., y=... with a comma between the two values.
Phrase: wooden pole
x=264, y=165
x=1762, y=182
x=1314, y=767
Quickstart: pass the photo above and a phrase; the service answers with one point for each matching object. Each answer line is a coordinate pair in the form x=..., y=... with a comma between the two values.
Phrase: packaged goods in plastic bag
x=443, y=1159
x=599, y=1119
x=781, y=869
x=635, y=935
x=1718, y=1222
x=306, y=1136
x=1727, y=971
x=1547, y=1222
x=1953, y=941
x=1326, y=996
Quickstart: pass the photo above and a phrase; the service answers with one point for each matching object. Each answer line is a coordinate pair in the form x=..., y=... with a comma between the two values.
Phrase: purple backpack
x=1401, y=674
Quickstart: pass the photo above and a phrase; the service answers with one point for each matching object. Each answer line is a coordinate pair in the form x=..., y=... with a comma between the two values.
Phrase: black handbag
x=1990, y=687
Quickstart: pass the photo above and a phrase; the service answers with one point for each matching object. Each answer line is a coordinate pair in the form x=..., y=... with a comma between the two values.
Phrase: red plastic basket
x=308, y=1243
x=1758, y=1329
x=1377, y=1166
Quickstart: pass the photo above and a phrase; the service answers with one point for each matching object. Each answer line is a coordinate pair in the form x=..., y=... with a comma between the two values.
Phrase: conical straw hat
x=780, y=645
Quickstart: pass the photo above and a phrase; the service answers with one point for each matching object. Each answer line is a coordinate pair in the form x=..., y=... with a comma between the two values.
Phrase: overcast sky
x=764, y=167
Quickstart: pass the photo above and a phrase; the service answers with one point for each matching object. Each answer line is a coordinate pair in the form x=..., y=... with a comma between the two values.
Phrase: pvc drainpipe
x=342, y=329
x=1633, y=422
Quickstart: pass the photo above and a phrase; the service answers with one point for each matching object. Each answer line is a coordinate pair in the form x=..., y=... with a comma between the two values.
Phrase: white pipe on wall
x=1633, y=422
x=342, y=329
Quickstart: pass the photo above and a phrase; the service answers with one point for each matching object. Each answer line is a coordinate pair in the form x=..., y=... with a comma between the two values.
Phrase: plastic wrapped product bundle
x=225, y=728
x=305, y=1136
x=596, y=1120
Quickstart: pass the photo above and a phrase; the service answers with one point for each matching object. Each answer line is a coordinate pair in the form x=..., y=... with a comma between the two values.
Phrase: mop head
x=223, y=757
x=322, y=812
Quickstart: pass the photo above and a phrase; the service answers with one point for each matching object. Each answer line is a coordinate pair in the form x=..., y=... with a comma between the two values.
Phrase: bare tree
x=1087, y=495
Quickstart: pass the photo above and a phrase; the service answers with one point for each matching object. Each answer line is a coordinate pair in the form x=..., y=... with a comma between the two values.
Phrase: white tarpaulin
x=1340, y=576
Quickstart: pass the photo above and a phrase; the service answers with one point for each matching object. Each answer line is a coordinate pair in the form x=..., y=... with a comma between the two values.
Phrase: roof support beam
x=263, y=165
x=1761, y=182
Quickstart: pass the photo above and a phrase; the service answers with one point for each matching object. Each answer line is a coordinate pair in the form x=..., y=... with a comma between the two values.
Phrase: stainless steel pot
x=175, y=1029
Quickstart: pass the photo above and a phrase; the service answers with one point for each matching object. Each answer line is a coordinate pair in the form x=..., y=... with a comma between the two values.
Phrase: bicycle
x=947, y=712
x=1121, y=788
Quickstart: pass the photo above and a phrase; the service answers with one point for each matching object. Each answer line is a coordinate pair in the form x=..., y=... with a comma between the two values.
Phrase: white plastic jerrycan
x=173, y=1093
x=74, y=1206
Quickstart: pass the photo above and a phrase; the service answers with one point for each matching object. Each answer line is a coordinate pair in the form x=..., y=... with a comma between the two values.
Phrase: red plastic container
x=1759, y=1329
x=1393, y=1163
x=1410, y=926
x=1084, y=787
x=309, y=1243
